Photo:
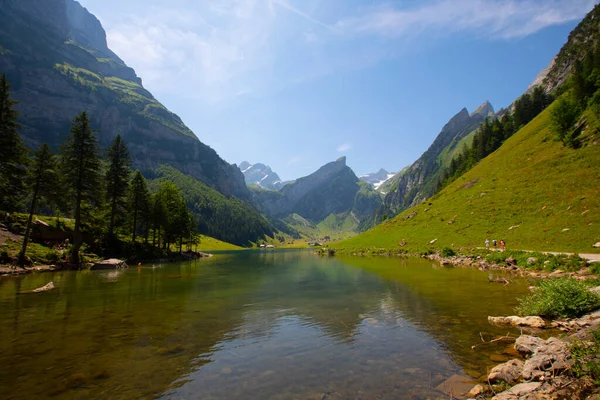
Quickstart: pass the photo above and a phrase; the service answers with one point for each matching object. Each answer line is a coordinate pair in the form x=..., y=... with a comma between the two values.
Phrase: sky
x=296, y=84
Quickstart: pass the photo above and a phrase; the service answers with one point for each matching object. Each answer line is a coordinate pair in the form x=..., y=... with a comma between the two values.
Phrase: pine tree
x=81, y=167
x=117, y=180
x=43, y=181
x=139, y=201
x=13, y=155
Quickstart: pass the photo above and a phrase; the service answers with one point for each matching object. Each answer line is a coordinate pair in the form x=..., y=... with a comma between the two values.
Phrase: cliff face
x=419, y=181
x=55, y=56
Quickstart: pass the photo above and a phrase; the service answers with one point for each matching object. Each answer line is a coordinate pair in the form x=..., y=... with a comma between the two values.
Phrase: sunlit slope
x=548, y=194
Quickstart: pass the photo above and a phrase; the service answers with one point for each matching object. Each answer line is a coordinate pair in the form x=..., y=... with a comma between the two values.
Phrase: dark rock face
x=419, y=181
x=261, y=175
x=55, y=56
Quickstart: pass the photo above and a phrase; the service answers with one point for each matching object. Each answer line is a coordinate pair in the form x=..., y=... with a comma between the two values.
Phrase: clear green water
x=250, y=325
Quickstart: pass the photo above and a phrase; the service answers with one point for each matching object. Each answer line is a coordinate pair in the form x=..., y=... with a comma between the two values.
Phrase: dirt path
x=588, y=256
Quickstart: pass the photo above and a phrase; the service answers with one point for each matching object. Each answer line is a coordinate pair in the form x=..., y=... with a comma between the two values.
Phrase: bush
x=447, y=252
x=585, y=355
x=562, y=297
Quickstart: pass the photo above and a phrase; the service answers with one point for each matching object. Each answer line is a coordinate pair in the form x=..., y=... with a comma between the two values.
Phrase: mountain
x=333, y=189
x=55, y=56
x=533, y=191
x=420, y=180
x=376, y=178
x=261, y=175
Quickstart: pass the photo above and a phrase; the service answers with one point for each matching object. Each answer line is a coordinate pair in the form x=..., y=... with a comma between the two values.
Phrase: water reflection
x=269, y=325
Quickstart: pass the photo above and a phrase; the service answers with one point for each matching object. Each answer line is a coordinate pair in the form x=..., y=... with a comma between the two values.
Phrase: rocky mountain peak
x=341, y=160
x=484, y=110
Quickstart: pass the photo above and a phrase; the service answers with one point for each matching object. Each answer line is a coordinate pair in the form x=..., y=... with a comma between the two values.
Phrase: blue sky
x=295, y=84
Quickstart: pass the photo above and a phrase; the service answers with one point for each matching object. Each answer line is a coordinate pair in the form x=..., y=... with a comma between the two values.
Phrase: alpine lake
x=278, y=325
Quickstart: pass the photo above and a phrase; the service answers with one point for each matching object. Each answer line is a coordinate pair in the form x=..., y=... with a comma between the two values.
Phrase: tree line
x=101, y=192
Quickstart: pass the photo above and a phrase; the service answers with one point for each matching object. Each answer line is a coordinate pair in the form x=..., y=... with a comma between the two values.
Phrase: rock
x=547, y=360
x=509, y=372
x=456, y=385
x=476, y=391
x=516, y=392
x=432, y=241
x=595, y=290
x=511, y=261
x=44, y=288
x=556, y=274
x=596, y=245
x=111, y=263
x=498, y=358
x=526, y=344
x=532, y=321
x=531, y=260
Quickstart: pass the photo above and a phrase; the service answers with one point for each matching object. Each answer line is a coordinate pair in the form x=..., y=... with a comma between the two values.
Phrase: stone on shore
x=549, y=359
x=516, y=392
x=526, y=344
x=456, y=385
x=509, y=372
x=533, y=321
x=111, y=263
x=476, y=391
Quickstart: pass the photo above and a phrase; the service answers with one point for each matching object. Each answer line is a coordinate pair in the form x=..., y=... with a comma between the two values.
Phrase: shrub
x=585, y=355
x=562, y=297
x=447, y=252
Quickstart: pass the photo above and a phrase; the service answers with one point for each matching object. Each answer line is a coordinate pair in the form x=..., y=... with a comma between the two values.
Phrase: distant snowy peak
x=376, y=178
x=261, y=175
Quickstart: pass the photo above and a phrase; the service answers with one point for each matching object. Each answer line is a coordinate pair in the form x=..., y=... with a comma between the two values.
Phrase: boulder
x=526, y=344
x=509, y=372
x=111, y=263
x=531, y=260
x=511, y=261
x=518, y=391
x=533, y=321
x=596, y=245
x=549, y=359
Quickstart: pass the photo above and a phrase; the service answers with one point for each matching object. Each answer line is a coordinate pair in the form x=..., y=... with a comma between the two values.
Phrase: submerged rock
x=533, y=322
x=44, y=288
x=509, y=372
x=456, y=385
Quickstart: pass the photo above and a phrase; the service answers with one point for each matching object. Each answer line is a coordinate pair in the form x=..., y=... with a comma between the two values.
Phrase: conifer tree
x=13, y=155
x=117, y=180
x=43, y=182
x=81, y=166
x=139, y=201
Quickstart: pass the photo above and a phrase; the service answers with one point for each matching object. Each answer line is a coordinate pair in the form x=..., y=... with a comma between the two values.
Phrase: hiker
x=487, y=243
x=494, y=243
x=502, y=244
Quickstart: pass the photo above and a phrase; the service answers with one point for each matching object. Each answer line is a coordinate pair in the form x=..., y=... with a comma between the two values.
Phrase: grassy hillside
x=532, y=192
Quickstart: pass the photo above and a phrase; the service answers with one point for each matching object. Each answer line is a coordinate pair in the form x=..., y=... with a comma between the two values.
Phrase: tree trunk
x=77, y=237
x=21, y=261
x=135, y=211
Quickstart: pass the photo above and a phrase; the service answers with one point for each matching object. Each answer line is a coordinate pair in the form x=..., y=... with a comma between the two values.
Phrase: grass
x=532, y=192
x=208, y=243
x=559, y=298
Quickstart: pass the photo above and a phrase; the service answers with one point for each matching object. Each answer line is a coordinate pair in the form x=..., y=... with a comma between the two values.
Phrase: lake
x=252, y=325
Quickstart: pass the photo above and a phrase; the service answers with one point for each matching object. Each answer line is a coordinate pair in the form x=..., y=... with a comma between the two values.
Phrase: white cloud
x=218, y=50
x=343, y=148
x=502, y=19
x=294, y=160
